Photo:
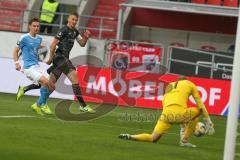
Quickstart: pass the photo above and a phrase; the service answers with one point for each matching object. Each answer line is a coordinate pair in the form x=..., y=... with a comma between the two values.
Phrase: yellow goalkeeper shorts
x=175, y=114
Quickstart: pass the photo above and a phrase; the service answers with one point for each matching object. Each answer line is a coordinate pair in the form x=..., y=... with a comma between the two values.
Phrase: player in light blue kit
x=29, y=44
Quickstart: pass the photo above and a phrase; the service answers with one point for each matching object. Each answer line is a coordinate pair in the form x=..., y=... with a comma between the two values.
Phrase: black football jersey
x=66, y=37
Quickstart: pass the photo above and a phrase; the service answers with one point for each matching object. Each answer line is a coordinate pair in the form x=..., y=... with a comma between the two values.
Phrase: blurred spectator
x=208, y=48
x=48, y=10
x=176, y=44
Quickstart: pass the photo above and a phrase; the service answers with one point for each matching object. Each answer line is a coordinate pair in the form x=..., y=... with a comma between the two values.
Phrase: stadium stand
x=106, y=9
x=230, y=3
x=214, y=2
x=198, y=1
x=11, y=14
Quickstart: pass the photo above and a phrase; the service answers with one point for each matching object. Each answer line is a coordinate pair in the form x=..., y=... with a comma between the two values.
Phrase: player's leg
x=45, y=91
x=160, y=129
x=47, y=88
x=42, y=100
x=31, y=87
x=182, y=130
x=22, y=89
x=70, y=71
x=77, y=92
x=47, y=83
x=38, y=76
x=44, y=95
x=145, y=137
x=167, y=118
x=190, y=126
x=192, y=118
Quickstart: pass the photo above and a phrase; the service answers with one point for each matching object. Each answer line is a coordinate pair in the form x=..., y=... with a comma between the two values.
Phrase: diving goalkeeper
x=175, y=111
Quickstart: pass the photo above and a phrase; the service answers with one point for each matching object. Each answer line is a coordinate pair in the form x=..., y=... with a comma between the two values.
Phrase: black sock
x=31, y=86
x=78, y=94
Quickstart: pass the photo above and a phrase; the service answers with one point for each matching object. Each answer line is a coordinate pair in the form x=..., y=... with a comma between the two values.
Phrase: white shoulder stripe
x=23, y=36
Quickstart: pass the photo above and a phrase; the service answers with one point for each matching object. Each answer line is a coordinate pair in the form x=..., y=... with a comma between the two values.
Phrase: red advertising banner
x=141, y=89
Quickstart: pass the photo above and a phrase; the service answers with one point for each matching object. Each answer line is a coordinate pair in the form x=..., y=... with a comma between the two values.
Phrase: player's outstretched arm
x=201, y=106
x=16, y=57
x=83, y=40
x=209, y=124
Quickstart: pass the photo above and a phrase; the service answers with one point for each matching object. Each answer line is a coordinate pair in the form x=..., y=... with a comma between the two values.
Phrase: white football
x=200, y=129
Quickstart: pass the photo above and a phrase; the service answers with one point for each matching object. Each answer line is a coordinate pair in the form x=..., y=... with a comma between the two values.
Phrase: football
x=199, y=129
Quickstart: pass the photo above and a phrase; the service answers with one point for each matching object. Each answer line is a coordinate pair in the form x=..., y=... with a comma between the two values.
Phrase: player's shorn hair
x=75, y=14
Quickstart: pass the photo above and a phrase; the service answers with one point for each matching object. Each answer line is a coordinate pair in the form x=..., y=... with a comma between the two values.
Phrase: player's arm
x=82, y=40
x=52, y=50
x=209, y=125
x=16, y=57
x=59, y=36
x=196, y=96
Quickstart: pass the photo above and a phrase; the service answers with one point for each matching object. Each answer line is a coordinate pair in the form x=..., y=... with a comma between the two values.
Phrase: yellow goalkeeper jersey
x=180, y=93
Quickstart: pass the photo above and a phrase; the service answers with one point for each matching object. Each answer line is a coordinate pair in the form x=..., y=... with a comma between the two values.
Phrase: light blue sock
x=44, y=94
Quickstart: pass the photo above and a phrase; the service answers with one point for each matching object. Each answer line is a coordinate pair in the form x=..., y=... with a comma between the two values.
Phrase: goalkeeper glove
x=209, y=127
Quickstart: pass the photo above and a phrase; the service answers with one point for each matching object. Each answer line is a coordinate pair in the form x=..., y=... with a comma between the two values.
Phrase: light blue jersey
x=29, y=46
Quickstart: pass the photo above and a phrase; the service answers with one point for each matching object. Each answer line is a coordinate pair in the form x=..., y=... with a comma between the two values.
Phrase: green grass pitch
x=47, y=137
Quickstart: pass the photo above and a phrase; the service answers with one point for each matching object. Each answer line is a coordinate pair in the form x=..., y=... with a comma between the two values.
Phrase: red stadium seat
x=214, y=2
x=231, y=3
x=198, y=1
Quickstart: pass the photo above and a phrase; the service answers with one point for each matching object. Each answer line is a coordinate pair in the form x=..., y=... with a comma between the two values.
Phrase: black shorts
x=61, y=65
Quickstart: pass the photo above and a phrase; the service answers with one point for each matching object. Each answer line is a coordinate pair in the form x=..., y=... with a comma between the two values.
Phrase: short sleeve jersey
x=29, y=47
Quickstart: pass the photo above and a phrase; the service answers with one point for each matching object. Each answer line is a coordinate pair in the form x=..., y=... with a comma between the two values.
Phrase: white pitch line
x=17, y=116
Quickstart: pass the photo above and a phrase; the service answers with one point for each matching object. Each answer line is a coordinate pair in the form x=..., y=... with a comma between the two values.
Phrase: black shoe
x=125, y=136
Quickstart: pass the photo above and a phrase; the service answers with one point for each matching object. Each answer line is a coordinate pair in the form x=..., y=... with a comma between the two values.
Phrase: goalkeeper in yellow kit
x=175, y=111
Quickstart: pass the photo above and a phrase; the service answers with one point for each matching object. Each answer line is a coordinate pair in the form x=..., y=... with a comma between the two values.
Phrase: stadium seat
x=198, y=1
x=214, y=2
x=230, y=3
x=11, y=14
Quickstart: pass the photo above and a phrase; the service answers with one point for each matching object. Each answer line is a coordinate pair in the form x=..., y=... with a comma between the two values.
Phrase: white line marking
x=17, y=116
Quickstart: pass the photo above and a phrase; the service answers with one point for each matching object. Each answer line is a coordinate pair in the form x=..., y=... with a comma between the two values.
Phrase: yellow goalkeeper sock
x=143, y=137
x=190, y=129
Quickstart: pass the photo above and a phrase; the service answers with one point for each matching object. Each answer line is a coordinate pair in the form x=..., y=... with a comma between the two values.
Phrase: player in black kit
x=60, y=57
